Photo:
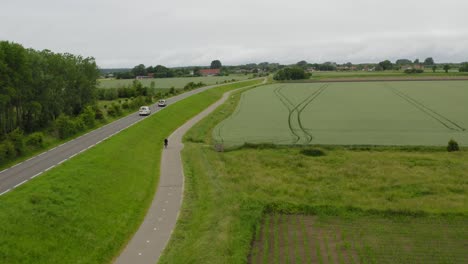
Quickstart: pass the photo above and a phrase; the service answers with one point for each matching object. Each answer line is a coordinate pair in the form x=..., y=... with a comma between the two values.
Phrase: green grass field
x=86, y=209
x=393, y=204
x=355, y=113
x=177, y=83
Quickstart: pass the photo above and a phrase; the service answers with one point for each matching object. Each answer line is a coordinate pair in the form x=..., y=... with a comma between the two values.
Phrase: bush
x=453, y=146
x=98, y=114
x=114, y=110
x=88, y=117
x=125, y=105
x=148, y=99
x=17, y=138
x=35, y=139
x=313, y=152
x=414, y=71
x=65, y=126
x=7, y=151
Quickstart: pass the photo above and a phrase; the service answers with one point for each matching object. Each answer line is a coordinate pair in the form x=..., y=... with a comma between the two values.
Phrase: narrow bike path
x=149, y=241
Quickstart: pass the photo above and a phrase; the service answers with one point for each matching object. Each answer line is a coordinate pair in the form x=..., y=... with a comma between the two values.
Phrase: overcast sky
x=123, y=33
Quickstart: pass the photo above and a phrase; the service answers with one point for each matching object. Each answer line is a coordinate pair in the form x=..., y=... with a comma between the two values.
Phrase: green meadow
x=86, y=209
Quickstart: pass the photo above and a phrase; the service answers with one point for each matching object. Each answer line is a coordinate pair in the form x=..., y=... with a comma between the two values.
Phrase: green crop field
x=177, y=83
x=331, y=239
x=353, y=113
x=277, y=205
x=323, y=75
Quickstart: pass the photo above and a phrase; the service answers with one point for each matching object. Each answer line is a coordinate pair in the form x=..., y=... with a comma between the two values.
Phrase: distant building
x=149, y=76
x=416, y=66
x=209, y=72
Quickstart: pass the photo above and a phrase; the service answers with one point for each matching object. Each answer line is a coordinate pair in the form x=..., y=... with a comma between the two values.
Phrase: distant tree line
x=43, y=91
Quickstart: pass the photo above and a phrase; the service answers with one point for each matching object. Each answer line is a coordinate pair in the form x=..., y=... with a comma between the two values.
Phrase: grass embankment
x=86, y=209
x=228, y=193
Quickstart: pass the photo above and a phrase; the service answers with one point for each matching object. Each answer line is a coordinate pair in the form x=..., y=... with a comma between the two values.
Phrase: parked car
x=162, y=103
x=144, y=110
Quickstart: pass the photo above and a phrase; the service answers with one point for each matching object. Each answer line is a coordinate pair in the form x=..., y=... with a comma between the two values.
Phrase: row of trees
x=38, y=86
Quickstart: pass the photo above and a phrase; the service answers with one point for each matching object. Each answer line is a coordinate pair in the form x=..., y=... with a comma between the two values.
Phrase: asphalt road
x=21, y=173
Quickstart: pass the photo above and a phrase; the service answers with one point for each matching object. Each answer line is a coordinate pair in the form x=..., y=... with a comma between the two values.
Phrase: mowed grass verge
x=86, y=209
x=227, y=195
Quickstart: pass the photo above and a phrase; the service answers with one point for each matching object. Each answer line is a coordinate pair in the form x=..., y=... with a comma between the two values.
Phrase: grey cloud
x=174, y=33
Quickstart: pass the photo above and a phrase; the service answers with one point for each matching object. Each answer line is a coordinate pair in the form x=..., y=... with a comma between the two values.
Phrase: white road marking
x=5, y=192
x=147, y=241
x=61, y=161
x=52, y=149
x=3, y=171
x=20, y=183
x=73, y=155
x=139, y=254
x=49, y=168
x=37, y=174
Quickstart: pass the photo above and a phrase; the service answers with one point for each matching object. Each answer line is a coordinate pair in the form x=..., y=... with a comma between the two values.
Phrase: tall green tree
x=429, y=61
x=386, y=65
x=446, y=68
x=216, y=64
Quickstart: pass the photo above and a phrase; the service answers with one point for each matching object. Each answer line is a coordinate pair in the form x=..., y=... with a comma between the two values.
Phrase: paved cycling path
x=151, y=238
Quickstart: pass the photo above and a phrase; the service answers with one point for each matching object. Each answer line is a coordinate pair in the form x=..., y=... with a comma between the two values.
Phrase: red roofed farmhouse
x=210, y=72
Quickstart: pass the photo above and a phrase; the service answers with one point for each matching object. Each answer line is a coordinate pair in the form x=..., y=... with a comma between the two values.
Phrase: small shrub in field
x=313, y=152
x=35, y=139
x=452, y=146
x=125, y=105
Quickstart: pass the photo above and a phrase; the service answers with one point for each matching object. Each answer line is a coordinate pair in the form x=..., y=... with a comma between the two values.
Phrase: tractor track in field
x=298, y=109
x=428, y=111
x=314, y=96
x=285, y=102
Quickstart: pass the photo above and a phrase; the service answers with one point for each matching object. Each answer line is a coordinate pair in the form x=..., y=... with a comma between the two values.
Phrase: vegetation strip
x=85, y=209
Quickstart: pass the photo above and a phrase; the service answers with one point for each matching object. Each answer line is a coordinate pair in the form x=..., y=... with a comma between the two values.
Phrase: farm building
x=210, y=72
